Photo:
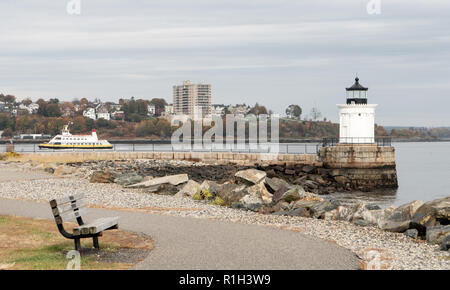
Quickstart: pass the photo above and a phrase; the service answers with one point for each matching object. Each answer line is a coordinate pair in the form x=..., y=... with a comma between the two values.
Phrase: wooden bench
x=73, y=207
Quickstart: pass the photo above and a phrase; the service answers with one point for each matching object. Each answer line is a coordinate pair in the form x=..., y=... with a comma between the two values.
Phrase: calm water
x=423, y=170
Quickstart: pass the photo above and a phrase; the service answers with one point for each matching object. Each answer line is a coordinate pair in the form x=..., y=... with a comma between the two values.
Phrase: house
x=118, y=115
x=239, y=109
x=102, y=113
x=168, y=110
x=151, y=109
x=218, y=110
x=90, y=113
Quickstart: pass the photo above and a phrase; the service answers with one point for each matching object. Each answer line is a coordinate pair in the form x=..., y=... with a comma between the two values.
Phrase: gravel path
x=395, y=251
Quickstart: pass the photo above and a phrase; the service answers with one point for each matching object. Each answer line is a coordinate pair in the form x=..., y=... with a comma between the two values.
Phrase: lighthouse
x=357, y=117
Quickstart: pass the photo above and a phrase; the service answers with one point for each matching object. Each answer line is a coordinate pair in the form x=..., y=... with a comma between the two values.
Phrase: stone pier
x=361, y=166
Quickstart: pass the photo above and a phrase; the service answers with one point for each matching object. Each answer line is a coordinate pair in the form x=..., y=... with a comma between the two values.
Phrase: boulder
x=170, y=179
x=309, y=169
x=252, y=176
x=437, y=234
x=342, y=180
x=310, y=184
x=64, y=170
x=342, y=213
x=293, y=194
x=445, y=246
x=128, y=179
x=102, y=177
x=304, y=204
x=274, y=184
x=261, y=191
x=319, y=209
x=412, y=233
x=301, y=180
x=189, y=189
x=163, y=189
x=375, y=217
x=399, y=220
x=431, y=213
x=303, y=212
x=229, y=192
x=281, y=206
x=252, y=202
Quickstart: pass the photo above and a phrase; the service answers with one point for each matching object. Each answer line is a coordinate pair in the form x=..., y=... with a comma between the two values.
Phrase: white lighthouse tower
x=357, y=117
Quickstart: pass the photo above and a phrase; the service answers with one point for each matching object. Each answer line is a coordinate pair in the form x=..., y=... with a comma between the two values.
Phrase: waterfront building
x=192, y=99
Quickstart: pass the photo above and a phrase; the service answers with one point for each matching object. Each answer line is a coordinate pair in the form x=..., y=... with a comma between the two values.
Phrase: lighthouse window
x=359, y=114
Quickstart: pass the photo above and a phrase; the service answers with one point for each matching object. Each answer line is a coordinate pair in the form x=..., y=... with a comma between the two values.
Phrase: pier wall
x=247, y=159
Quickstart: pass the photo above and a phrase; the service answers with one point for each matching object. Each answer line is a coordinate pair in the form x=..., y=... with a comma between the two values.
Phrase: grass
x=35, y=244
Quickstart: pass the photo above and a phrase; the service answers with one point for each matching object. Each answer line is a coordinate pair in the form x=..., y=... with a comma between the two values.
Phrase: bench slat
x=72, y=215
x=66, y=199
x=61, y=209
x=97, y=226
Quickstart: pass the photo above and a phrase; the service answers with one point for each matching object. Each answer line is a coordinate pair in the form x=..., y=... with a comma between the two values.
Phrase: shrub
x=12, y=154
x=197, y=196
x=207, y=194
x=218, y=201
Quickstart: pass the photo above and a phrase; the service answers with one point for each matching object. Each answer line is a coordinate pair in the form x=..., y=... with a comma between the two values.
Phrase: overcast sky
x=274, y=52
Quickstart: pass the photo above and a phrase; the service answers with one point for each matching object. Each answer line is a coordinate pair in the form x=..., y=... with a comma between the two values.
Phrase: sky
x=271, y=52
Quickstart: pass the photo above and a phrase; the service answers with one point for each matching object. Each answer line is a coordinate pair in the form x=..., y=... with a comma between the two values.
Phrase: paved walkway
x=188, y=243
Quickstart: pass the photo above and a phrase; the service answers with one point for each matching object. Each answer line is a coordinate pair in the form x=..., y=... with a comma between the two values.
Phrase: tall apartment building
x=191, y=99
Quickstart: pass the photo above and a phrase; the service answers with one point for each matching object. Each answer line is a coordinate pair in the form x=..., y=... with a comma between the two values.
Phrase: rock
x=399, y=220
x=49, y=170
x=293, y=194
x=128, y=178
x=163, y=189
x=261, y=191
x=412, y=233
x=189, y=189
x=230, y=193
x=102, y=177
x=445, y=246
x=311, y=184
x=252, y=202
x=303, y=212
x=64, y=170
x=431, y=213
x=342, y=180
x=300, y=180
x=375, y=217
x=304, y=204
x=209, y=185
x=309, y=169
x=289, y=172
x=252, y=176
x=281, y=206
x=274, y=184
x=319, y=209
x=170, y=179
x=437, y=234
x=342, y=213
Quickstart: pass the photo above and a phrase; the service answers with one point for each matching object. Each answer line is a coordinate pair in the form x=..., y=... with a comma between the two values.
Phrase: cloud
x=274, y=52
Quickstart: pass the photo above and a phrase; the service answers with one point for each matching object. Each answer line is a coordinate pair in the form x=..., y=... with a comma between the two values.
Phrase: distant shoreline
x=168, y=141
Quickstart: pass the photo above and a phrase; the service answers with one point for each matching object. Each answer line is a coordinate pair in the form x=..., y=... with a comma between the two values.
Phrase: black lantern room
x=357, y=94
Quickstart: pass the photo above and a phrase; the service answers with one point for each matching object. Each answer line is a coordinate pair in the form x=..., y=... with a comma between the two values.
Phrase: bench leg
x=77, y=245
x=95, y=242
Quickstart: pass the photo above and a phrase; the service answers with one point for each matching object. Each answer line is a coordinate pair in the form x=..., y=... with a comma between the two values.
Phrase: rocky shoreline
x=251, y=195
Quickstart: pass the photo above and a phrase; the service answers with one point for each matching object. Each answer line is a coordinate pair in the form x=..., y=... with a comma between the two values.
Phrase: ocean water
x=423, y=170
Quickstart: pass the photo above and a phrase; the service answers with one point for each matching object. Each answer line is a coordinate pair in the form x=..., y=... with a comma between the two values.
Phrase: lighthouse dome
x=357, y=94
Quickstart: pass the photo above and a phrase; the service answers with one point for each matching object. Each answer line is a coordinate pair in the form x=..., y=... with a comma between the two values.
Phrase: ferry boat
x=69, y=141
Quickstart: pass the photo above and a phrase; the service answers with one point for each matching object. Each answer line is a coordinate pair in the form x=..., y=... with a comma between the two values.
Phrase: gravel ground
x=393, y=250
